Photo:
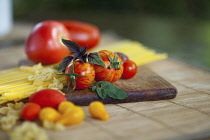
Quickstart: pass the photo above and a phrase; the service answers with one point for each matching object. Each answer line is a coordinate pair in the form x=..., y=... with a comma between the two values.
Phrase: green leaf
x=94, y=88
x=117, y=93
x=95, y=58
x=64, y=63
x=101, y=93
x=104, y=89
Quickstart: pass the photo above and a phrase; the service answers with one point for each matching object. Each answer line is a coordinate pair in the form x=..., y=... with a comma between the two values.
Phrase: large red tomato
x=44, y=43
x=83, y=33
x=84, y=69
x=108, y=74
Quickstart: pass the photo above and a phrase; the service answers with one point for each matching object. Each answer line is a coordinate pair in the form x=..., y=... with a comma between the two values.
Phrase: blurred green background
x=181, y=27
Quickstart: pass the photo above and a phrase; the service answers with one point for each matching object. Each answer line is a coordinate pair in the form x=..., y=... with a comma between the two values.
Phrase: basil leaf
x=79, y=52
x=104, y=83
x=104, y=89
x=95, y=58
x=83, y=50
x=117, y=93
x=72, y=46
x=64, y=63
x=94, y=88
x=101, y=93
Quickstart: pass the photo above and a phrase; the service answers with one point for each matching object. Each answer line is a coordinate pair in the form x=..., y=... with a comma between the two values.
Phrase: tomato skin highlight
x=44, y=43
x=107, y=74
x=30, y=111
x=130, y=69
x=47, y=98
x=84, y=34
x=85, y=69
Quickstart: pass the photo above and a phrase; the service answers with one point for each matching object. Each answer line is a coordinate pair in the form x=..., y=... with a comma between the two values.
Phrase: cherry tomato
x=44, y=43
x=84, y=69
x=83, y=33
x=130, y=69
x=30, y=111
x=108, y=74
x=47, y=98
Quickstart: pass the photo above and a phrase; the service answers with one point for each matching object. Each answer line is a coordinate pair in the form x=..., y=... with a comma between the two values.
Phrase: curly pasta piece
x=28, y=131
x=53, y=126
x=56, y=84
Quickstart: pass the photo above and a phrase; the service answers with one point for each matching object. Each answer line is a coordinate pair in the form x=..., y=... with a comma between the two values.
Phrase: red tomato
x=130, y=69
x=85, y=69
x=44, y=43
x=108, y=74
x=83, y=33
x=30, y=111
x=47, y=98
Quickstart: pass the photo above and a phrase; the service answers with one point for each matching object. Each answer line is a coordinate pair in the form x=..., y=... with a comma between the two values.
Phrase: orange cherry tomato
x=108, y=74
x=84, y=69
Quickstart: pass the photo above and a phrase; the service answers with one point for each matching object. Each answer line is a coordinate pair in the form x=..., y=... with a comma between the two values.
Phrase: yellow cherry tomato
x=65, y=106
x=97, y=110
x=49, y=114
x=72, y=117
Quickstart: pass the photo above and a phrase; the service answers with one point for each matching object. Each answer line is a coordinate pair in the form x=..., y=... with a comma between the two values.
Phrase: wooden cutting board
x=145, y=86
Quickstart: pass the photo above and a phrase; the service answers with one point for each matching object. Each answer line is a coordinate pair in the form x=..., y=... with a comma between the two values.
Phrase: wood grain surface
x=145, y=86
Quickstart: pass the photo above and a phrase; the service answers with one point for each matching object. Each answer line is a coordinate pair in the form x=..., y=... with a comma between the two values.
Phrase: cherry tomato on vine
x=81, y=75
x=83, y=33
x=130, y=69
x=113, y=70
x=44, y=43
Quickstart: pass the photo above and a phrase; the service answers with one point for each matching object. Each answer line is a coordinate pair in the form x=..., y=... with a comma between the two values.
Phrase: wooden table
x=185, y=117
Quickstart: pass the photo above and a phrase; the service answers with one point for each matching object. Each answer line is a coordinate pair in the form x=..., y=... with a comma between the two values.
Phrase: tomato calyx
x=72, y=78
x=114, y=62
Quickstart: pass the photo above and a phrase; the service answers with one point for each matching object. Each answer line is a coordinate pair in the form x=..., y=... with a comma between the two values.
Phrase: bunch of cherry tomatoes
x=44, y=45
x=91, y=72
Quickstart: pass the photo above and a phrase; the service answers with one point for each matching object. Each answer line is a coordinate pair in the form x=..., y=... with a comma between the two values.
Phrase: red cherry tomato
x=83, y=33
x=30, y=111
x=47, y=98
x=44, y=43
x=108, y=74
x=85, y=69
x=130, y=69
